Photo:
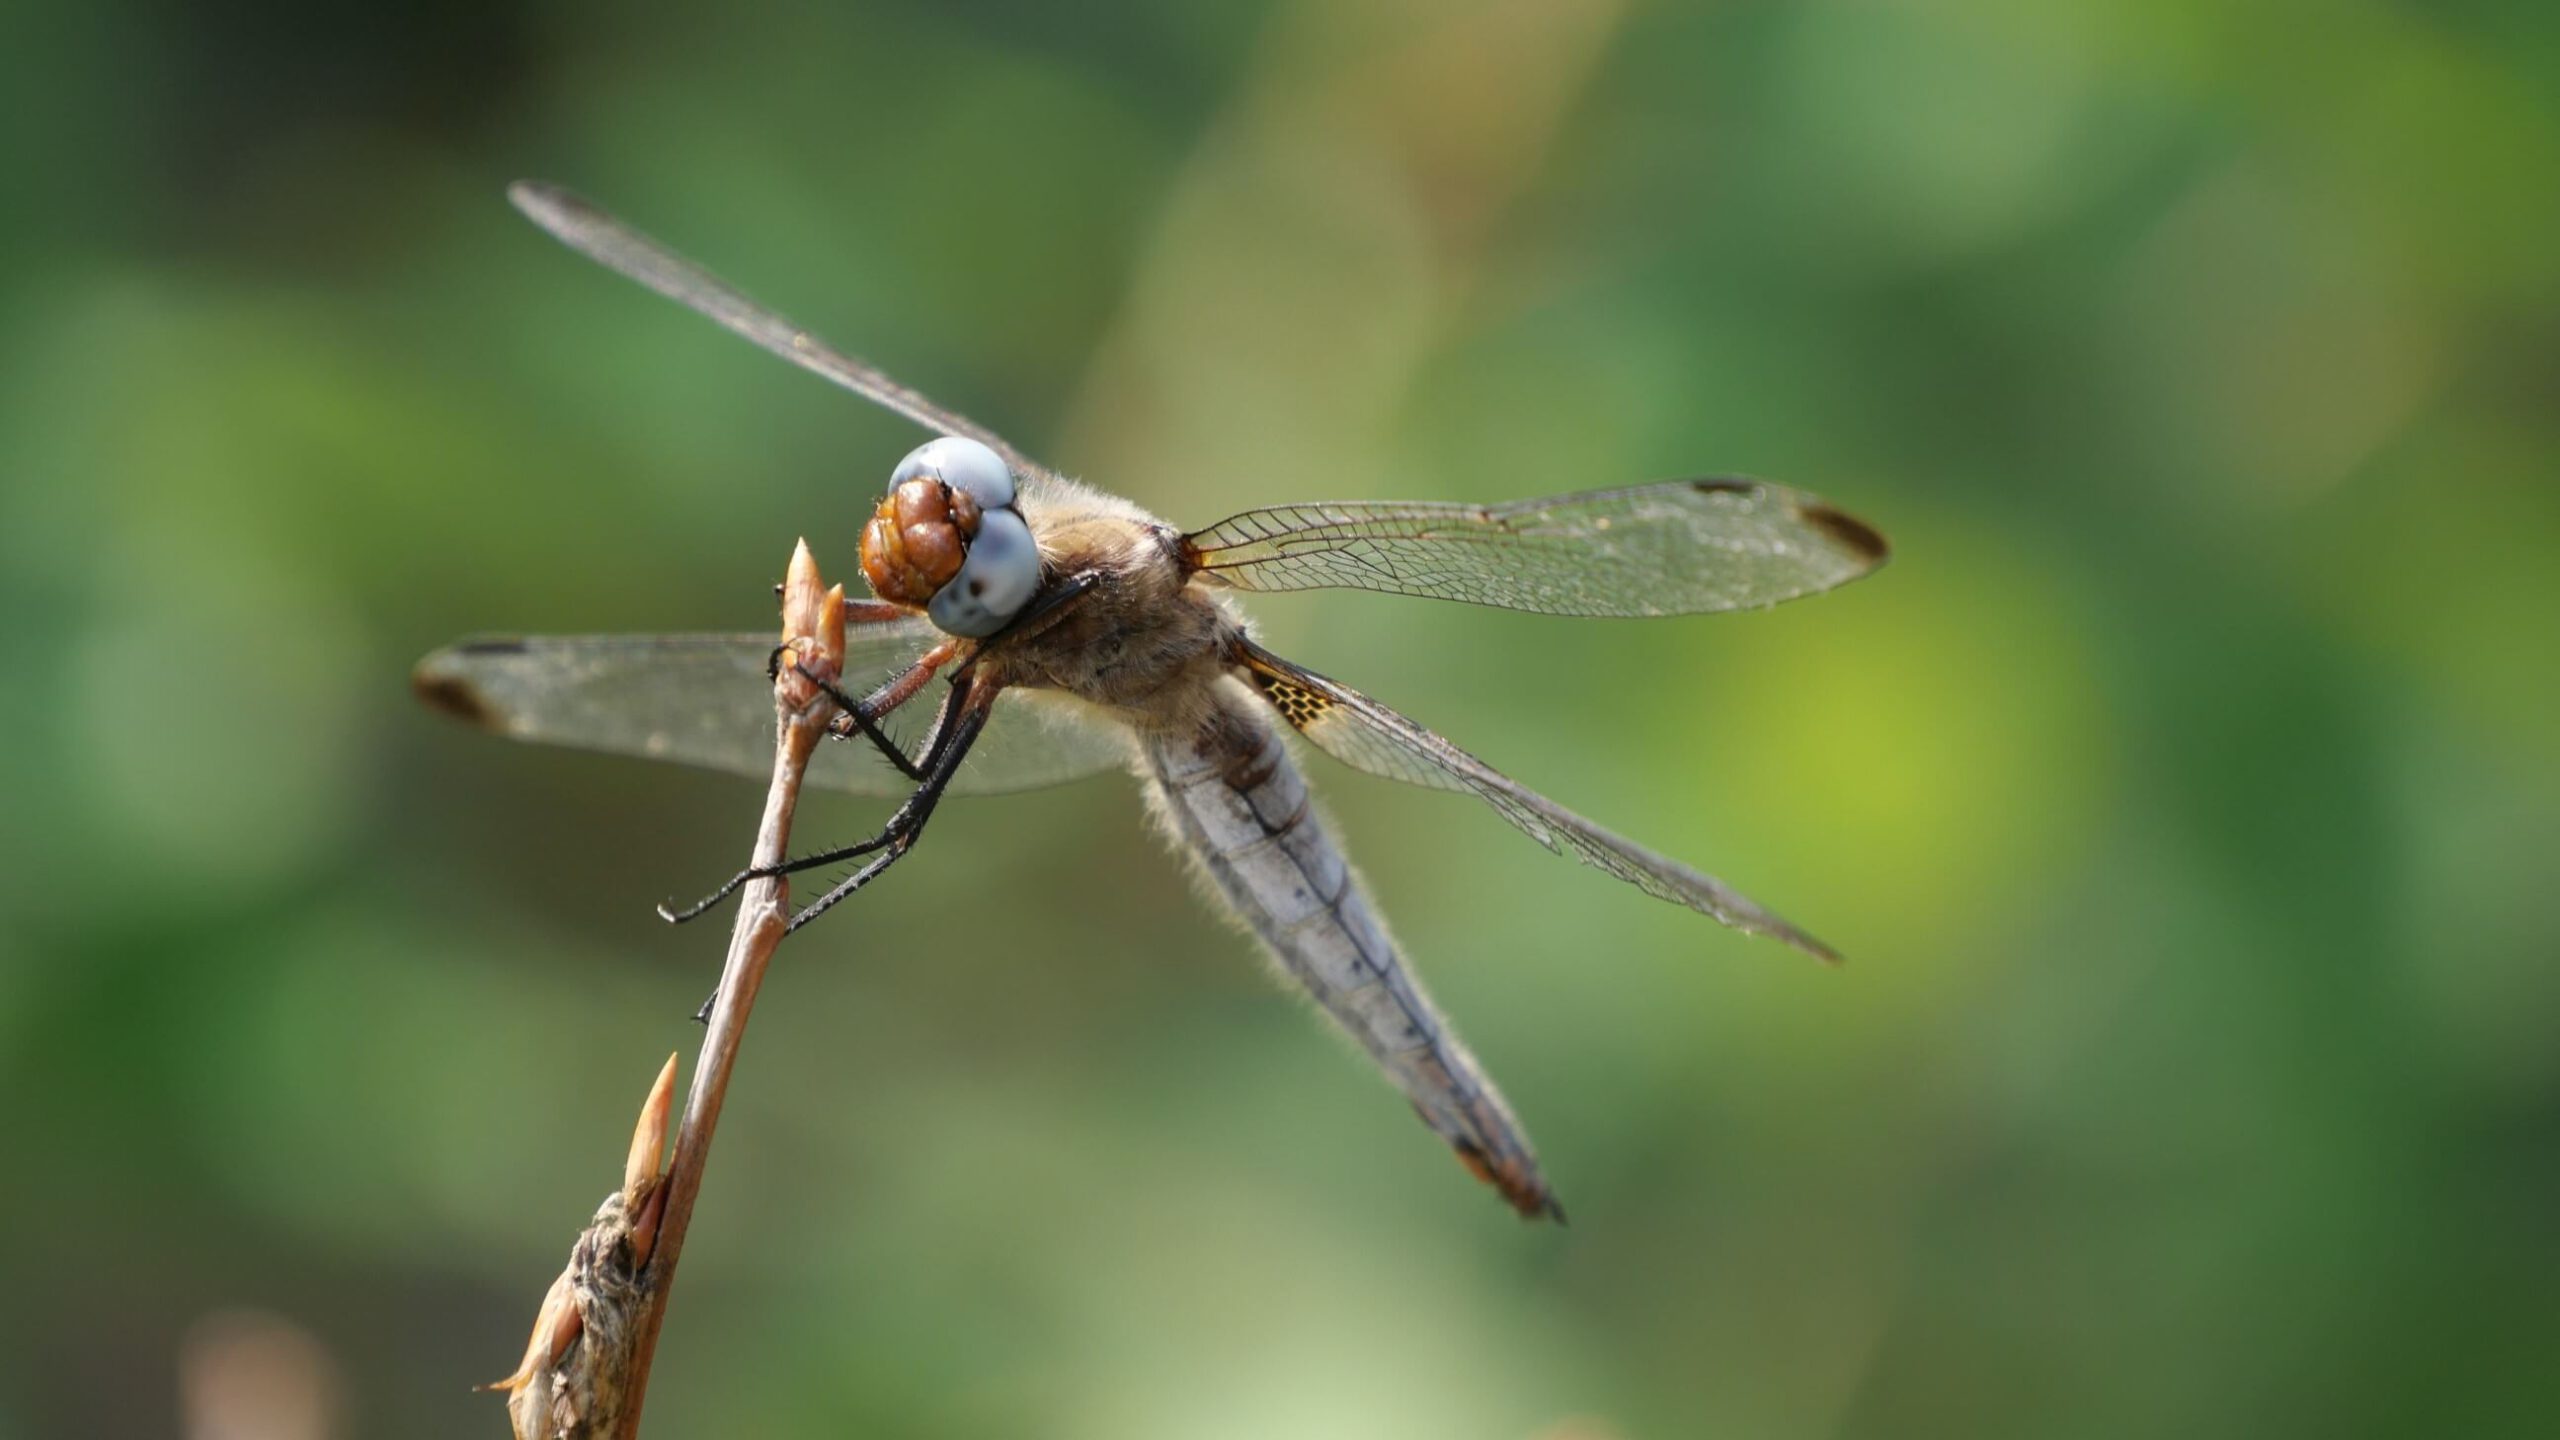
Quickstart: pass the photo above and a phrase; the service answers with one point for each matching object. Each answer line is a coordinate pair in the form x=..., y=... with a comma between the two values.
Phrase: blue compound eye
x=962, y=464
x=994, y=583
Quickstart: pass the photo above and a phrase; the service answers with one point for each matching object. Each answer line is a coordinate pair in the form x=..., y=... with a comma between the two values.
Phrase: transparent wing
x=1366, y=735
x=1680, y=547
x=704, y=700
x=611, y=243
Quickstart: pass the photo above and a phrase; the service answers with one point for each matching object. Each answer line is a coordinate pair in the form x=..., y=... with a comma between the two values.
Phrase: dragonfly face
x=947, y=537
x=1080, y=633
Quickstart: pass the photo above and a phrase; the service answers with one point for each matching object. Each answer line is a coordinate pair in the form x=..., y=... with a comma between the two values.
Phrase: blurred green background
x=2185, y=794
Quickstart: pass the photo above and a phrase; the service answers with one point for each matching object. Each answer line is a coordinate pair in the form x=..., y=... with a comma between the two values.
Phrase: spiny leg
x=956, y=728
x=963, y=731
x=935, y=744
x=963, y=714
x=864, y=724
x=673, y=916
x=893, y=693
x=862, y=716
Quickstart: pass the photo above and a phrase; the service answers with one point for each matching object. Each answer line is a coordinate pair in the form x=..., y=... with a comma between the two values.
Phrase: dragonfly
x=1074, y=632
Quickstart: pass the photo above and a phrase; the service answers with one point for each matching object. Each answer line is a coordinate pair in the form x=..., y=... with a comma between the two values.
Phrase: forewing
x=1366, y=735
x=1682, y=547
x=608, y=241
x=704, y=700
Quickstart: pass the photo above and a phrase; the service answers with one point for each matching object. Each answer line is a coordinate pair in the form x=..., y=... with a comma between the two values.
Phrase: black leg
x=897, y=823
x=788, y=867
x=963, y=715
x=866, y=723
x=864, y=714
x=962, y=732
x=908, y=819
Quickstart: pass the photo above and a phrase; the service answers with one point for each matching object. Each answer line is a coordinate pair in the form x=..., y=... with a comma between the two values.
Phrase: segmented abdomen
x=1234, y=797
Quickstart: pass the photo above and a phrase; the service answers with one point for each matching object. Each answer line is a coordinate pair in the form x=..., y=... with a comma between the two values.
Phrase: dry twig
x=586, y=1368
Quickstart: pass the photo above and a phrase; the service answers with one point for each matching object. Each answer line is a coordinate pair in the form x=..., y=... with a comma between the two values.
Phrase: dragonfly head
x=947, y=537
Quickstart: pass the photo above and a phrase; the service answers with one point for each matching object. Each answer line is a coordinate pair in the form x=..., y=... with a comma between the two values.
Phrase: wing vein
x=1367, y=735
x=610, y=242
x=1675, y=548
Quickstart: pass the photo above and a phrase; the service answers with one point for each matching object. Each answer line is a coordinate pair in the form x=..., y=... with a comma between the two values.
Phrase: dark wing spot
x=1846, y=531
x=454, y=696
x=1723, y=485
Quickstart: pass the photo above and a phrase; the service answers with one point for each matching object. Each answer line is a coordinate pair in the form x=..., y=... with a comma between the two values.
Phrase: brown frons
x=916, y=539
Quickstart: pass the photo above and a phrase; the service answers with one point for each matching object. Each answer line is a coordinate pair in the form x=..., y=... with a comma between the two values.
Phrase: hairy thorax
x=1142, y=641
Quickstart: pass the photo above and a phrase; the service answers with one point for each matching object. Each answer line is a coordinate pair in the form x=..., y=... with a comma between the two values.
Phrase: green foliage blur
x=2185, y=794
